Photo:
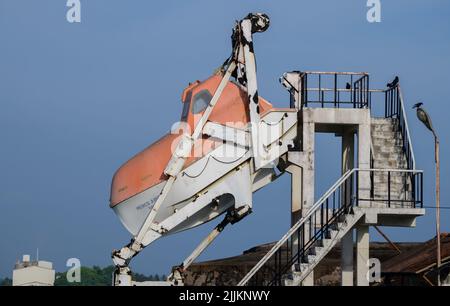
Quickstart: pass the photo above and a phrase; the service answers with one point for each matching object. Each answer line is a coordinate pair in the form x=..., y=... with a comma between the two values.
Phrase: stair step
x=384, y=137
x=331, y=234
x=314, y=250
x=383, y=120
x=320, y=248
x=393, y=181
x=334, y=226
x=393, y=150
x=308, y=259
x=393, y=191
x=384, y=154
x=326, y=242
x=301, y=267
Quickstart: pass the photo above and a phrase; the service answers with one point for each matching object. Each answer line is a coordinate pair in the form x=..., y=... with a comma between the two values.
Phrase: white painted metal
x=175, y=165
x=406, y=126
x=252, y=88
x=176, y=277
x=230, y=134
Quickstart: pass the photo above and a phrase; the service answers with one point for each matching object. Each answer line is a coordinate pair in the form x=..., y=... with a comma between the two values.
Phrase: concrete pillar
x=308, y=176
x=364, y=140
x=347, y=259
x=303, y=181
x=305, y=160
x=348, y=150
x=308, y=160
x=296, y=200
x=296, y=193
x=297, y=208
x=362, y=255
x=348, y=153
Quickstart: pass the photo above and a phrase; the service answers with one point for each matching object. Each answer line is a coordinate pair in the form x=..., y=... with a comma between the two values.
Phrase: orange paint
x=146, y=168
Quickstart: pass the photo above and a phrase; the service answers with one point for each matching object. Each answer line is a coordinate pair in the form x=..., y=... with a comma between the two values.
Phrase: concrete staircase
x=317, y=252
x=387, y=153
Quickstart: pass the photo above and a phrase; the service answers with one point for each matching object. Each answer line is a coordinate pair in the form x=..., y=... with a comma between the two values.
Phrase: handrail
x=342, y=89
x=356, y=92
x=394, y=108
x=294, y=228
x=407, y=127
x=336, y=72
x=318, y=204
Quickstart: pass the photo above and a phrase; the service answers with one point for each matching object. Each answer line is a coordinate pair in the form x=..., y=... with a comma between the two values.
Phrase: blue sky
x=77, y=100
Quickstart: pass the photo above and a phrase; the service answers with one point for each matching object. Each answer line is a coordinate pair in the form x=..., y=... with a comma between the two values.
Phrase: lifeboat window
x=201, y=101
x=186, y=104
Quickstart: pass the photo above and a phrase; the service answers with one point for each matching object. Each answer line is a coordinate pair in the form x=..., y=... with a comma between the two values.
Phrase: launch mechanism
x=232, y=142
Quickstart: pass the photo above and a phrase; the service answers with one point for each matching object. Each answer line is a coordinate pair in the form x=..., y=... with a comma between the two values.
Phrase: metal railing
x=394, y=188
x=294, y=247
x=352, y=90
x=395, y=108
x=335, y=89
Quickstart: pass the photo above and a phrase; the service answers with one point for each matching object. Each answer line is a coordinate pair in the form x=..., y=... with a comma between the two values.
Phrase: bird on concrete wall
x=424, y=117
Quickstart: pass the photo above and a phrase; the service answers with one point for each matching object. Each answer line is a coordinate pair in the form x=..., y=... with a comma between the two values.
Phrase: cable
x=442, y=207
x=200, y=173
x=274, y=123
x=229, y=162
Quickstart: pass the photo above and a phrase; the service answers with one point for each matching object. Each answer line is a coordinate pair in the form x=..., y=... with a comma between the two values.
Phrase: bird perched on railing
x=424, y=117
x=393, y=83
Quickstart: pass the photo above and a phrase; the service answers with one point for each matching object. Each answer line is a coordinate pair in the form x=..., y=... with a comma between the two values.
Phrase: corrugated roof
x=419, y=258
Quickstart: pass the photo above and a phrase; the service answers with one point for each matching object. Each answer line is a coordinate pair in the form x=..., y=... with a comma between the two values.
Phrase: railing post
x=421, y=190
x=321, y=220
x=335, y=90
x=298, y=247
x=389, y=188
x=305, y=96
x=357, y=188
x=385, y=105
x=405, y=181
x=320, y=87
x=303, y=239
x=327, y=216
x=413, y=188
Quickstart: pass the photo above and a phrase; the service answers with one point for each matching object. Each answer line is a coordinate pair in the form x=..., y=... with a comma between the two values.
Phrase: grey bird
x=424, y=117
x=348, y=86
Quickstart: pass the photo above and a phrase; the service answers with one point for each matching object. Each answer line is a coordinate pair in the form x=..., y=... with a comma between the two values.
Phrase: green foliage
x=94, y=276
x=6, y=281
x=97, y=276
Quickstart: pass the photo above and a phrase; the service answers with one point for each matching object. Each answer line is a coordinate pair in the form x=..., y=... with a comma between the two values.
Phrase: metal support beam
x=232, y=216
